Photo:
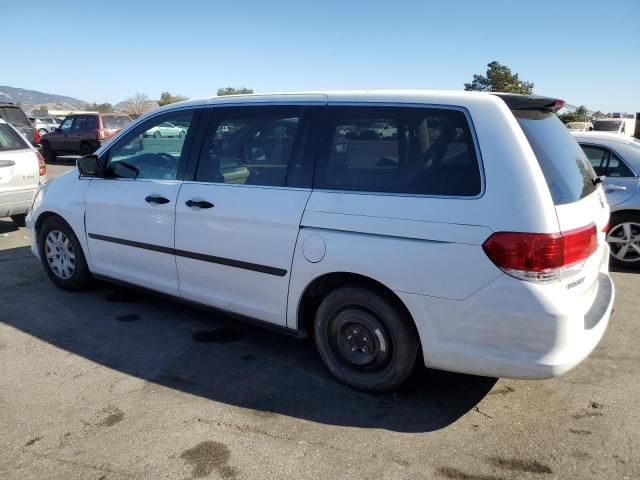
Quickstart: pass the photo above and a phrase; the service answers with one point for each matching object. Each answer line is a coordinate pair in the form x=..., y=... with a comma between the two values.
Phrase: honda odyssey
x=471, y=230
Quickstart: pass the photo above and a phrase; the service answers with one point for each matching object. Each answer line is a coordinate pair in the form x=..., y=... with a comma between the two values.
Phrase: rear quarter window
x=567, y=171
x=404, y=150
x=115, y=122
x=10, y=139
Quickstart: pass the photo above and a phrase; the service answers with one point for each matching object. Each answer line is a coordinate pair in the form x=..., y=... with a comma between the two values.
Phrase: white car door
x=237, y=221
x=130, y=213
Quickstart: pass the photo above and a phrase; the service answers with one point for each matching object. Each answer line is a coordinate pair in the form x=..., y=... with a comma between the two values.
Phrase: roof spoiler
x=516, y=101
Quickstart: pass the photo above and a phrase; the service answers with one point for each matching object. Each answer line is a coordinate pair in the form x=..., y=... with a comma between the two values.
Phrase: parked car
x=580, y=126
x=165, y=129
x=82, y=134
x=14, y=115
x=44, y=125
x=616, y=158
x=22, y=169
x=476, y=236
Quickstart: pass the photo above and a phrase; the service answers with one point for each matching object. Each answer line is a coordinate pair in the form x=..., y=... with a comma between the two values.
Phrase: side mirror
x=88, y=166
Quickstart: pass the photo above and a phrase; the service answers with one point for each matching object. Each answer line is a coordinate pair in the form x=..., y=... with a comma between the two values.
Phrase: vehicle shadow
x=216, y=357
x=7, y=226
x=617, y=269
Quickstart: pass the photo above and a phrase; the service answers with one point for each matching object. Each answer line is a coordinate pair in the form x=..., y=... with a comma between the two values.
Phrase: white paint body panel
x=471, y=317
x=117, y=208
x=248, y=223
x=19, y=178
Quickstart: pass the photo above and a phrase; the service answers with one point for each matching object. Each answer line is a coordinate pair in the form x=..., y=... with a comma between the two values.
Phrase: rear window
x=115, y=122
x=406, y=150
x=10, y=139
x=607, y=125
x=566, y=169
x=14, y=116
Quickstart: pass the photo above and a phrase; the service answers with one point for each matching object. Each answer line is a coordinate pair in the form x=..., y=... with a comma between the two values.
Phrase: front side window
x=65, y=126
x=141, y=155
x=252, y=146
x=405, y=150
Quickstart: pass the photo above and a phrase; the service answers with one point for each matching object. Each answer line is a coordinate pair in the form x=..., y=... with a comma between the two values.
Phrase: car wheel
x=85, y=149
x=19, y=220
x=157, y=134
x=181, y=134
x=364, y=340
x=624, y=240
x=50, y=154
x=62, y=255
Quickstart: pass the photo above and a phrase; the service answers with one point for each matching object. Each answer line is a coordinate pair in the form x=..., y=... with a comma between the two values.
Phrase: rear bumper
x=513, y=329
x=16, y=202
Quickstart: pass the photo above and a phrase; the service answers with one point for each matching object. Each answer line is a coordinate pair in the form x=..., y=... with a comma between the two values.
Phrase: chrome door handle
x=614, y=188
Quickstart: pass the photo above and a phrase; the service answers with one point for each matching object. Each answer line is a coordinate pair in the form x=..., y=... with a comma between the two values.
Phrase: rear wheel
x=49, y=153
x=19, y=220
x=624, y=240
x=62, y=255
x=85, y=149
x=364, y=340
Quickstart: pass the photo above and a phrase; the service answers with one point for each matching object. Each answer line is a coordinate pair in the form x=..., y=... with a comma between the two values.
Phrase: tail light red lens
x=539, y=252
x=42, y=166
x=37, y=137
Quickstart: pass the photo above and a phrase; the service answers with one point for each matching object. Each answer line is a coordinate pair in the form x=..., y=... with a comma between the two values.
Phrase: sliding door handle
x=156, y=199
x=198, y=203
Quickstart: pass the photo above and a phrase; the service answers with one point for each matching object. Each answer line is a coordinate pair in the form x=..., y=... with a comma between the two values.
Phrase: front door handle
x=198, y=203
x=614, y=188
x=156, y=199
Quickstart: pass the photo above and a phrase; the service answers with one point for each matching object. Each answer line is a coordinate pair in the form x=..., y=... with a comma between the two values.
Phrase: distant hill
x=32, y=99
x=124, y=105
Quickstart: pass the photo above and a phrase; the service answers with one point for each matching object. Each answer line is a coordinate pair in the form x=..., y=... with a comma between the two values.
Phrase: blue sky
x=586, y=52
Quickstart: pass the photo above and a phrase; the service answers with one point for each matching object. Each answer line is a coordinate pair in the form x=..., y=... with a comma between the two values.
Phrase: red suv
x=82, y=133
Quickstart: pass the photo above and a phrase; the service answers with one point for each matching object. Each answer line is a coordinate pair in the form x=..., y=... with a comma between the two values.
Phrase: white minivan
x=22, y=169
x=472, y=230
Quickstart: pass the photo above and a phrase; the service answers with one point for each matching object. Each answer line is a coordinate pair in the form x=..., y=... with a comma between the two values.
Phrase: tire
x=624, y=232
x=49, y=153
x=181, y=134
x=364, y=340
x=157, y=134
x=19, y=220
x=79, y=277
x=85, y=149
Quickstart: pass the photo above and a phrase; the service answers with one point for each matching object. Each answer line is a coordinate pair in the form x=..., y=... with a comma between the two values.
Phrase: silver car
x=616, y=159
x=44, y=125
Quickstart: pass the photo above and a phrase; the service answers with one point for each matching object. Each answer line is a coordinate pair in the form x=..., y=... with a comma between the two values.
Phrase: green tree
x=99, y=107
x=166, y=98
x=499, y=78
x=577, y=115
x=233, y=91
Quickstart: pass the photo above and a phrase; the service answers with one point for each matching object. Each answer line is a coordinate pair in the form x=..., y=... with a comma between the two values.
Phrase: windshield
x=115, y=122
x=607, y=125
x=566, y=169
x=10, y=139
x=14, y=116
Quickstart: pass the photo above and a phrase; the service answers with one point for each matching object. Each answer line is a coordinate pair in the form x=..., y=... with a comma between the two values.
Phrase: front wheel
x=62, y=255
x=624, y=240
x=157, y=134
x=364, y=340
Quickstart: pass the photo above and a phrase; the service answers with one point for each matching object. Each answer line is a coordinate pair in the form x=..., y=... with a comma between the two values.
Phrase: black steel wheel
x=364, y=339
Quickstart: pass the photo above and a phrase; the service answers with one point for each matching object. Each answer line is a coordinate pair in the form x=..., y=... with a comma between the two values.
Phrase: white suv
x=473, y=229
x=22, y=169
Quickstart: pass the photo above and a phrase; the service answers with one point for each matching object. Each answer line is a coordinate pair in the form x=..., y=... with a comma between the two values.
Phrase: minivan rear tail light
x=36, y=137
x=542, y=257
x=102, y=135
x=42, y=166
